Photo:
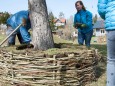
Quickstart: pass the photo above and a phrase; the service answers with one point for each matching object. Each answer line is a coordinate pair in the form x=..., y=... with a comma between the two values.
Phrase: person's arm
x=25, y=34
x=76, y=24
x=88, y=20
x=102, y=8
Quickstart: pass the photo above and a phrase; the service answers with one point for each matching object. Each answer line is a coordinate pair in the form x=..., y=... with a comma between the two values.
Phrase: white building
x=99, y=29
x=60, y=22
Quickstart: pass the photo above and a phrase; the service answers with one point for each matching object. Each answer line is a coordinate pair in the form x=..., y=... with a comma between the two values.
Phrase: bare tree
x=42, y=35
x=61, y=15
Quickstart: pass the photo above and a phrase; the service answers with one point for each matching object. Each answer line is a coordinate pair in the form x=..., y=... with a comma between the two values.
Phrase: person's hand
x=74, y=26
x=77, y=25
x=83, y=26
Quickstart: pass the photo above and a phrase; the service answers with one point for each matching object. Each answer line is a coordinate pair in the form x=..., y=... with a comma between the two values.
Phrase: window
x=102, y=31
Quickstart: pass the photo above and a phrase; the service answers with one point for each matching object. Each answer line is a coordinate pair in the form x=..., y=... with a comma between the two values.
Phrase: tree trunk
x=42, y=35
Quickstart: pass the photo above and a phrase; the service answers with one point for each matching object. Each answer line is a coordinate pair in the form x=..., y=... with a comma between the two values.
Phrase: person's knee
x=11, y=40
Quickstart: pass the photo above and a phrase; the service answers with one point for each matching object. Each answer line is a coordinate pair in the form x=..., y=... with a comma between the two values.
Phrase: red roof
x=62, y=20
x=55, y=20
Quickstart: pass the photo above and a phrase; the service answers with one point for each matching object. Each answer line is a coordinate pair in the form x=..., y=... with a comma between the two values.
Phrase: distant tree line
x=3, y=17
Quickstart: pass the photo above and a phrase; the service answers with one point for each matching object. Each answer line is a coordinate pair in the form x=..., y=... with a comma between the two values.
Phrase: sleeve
x=102, y=8
x=21, y=17
x=25, y=34
x=88, y=19
x=11, y=21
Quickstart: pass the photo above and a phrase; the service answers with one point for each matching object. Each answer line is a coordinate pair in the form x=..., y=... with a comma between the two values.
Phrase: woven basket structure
x=64, y=69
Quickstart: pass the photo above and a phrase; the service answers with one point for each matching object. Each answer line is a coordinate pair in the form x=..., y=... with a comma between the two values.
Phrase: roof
x=61, y=20
x=55, y=20
x=99, y=24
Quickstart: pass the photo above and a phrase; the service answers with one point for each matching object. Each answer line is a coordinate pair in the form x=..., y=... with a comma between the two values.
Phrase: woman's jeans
x=85, y=37
x=111, y=58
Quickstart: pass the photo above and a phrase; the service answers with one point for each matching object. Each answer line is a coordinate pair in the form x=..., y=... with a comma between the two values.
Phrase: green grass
x=2, y=37
x=101, y=67
x=59, y=40
x=102, y=48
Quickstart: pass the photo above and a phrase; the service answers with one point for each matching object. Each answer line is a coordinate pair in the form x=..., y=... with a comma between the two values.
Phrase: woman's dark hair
x=81, y=3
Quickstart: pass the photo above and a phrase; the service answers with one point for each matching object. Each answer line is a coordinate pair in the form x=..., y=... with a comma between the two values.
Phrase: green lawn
x=101, y=68
x=102, y=48
x=2, y=37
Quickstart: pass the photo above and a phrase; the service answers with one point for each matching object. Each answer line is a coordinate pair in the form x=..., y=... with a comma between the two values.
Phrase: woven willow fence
x=67, y=69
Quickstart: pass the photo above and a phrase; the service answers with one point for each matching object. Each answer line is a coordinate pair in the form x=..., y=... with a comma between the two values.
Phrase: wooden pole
x=10, y=35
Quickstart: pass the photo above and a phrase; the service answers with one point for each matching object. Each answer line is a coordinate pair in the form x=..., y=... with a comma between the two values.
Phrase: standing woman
x=83, y=22
x=106, y=9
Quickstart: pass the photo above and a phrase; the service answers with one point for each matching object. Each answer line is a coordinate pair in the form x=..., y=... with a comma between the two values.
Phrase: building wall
x=59, y=23
x=100, y=32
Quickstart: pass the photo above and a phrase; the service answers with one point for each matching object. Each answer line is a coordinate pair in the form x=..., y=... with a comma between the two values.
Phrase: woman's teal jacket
x=106, y=9
x=84, y=17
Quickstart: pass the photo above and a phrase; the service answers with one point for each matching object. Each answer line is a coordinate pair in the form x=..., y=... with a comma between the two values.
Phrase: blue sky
x=56, y=6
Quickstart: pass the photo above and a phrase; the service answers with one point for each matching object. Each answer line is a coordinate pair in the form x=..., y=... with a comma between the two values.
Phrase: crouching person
x=22, y=33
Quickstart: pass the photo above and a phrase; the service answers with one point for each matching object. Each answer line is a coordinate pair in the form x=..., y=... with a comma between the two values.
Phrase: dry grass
x=100, y=82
